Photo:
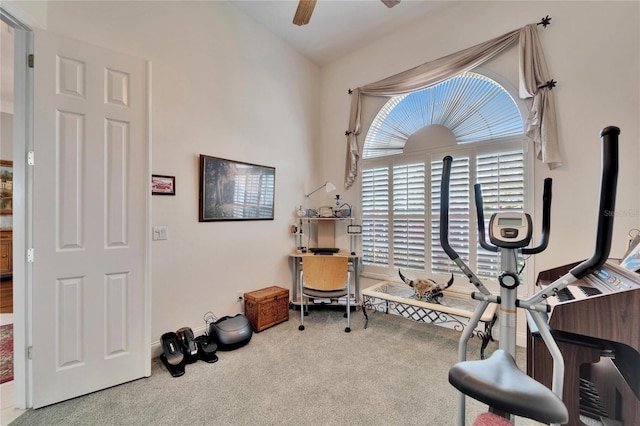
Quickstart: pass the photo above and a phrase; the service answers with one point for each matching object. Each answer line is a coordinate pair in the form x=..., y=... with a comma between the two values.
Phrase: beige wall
x=6, y=136
x=593, y=51
x=222, y=86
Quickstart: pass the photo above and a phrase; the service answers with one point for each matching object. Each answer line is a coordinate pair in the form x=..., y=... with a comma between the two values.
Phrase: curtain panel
x=540, y=125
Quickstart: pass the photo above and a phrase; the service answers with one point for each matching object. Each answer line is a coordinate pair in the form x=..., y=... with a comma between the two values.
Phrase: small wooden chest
x=266, y=307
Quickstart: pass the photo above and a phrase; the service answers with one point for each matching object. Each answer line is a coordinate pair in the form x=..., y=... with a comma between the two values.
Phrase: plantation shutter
x=474, y=107
x=459, y=214
x=409, y=215
x=401, y=198
x=375, y=216
x=502, y=179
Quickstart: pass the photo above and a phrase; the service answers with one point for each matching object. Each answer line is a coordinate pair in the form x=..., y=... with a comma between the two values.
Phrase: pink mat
x=490, y=419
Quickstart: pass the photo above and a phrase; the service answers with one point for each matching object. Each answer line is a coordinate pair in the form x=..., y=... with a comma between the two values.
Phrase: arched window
x=470, y=117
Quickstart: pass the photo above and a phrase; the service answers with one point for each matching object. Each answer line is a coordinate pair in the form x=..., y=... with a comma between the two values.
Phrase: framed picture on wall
x=6, y=187
x=234, y=190
x=163, y=185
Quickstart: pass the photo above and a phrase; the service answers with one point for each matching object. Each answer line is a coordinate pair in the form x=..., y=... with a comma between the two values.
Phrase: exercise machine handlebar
x=480, y=217
x=546, y=221
x=444, y=235
x=606, y=212
x=444, y=208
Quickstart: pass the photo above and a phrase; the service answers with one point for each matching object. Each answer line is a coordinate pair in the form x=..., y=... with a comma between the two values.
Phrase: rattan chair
x=325, y=277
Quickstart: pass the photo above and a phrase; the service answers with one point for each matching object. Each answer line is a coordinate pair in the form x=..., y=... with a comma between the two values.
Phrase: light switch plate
x=160, y=233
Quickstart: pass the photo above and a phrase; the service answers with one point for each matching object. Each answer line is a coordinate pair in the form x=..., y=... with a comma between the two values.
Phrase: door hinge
x=29, y=352
x=30, y=60
x=31, y=158
x=30, y=255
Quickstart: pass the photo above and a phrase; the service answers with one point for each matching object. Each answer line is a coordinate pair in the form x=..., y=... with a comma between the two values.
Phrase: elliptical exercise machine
x=497, y=381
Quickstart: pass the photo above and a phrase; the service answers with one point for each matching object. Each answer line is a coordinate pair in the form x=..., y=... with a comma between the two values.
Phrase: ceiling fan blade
x=304, y=11
x=390, y=3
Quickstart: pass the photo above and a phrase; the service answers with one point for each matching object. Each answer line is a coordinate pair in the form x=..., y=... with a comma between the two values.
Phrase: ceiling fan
x=305, y=9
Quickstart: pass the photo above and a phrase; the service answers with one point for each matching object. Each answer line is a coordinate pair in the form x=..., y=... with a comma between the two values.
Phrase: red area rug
x=6, y=353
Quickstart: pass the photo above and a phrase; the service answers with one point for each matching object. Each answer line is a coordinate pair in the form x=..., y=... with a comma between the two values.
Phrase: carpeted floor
x=394, y=372
x=6, y=353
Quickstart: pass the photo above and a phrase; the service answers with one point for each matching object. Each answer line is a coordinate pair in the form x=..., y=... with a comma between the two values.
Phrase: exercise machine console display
x=510, y=230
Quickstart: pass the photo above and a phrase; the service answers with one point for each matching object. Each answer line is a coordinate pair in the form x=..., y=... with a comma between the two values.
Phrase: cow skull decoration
x=427, y=287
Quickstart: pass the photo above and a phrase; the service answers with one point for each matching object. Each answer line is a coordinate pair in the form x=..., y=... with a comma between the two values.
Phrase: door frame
x=22, y=143
x=23, y=212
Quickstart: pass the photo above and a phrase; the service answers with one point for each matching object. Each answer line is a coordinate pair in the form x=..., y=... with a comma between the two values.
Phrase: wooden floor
x=6, y=296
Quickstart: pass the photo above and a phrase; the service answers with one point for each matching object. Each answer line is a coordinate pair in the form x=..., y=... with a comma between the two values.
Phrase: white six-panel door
x=89, y=321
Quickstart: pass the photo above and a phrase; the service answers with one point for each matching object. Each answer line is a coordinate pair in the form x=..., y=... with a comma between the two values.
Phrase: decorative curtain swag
x=535, y=82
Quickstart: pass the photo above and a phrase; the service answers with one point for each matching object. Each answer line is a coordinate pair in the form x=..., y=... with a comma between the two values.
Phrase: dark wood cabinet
x=599, y=338
x=6, y=252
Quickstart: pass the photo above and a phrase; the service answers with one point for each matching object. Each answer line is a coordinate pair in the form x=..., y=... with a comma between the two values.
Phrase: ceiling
x=337, y=27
